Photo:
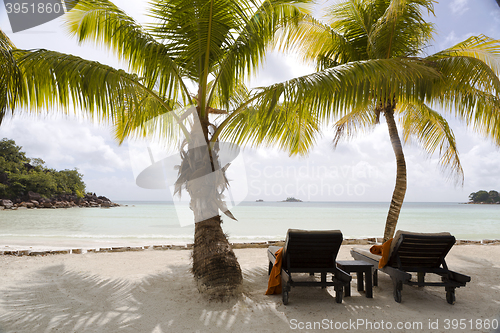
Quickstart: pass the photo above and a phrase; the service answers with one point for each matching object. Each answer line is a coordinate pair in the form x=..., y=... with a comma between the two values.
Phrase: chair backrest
x=420, y=249
x=306, y=249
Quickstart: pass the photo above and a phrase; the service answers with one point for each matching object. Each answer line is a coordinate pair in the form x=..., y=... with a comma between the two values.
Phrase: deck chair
x=419, y=253
x=310, y=252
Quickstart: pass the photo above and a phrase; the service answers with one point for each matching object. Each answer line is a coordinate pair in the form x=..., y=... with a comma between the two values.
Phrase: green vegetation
x=20, y=174
x=292, y=199
x=484, y=197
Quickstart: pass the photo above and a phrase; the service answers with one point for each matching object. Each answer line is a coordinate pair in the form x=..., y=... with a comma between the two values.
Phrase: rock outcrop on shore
x=34, y=200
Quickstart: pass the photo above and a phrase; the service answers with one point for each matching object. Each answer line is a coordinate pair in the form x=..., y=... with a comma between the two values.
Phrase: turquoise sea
x=150, y=223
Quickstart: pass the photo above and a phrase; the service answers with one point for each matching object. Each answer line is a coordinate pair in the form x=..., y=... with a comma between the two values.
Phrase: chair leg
x=284, y=297
x=285, y=289
x=338, y=293
x=398, y=287
x=421, y=278
x=450, y=295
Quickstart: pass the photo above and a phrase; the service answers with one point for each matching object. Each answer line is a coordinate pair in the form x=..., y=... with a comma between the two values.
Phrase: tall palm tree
x=462, y=80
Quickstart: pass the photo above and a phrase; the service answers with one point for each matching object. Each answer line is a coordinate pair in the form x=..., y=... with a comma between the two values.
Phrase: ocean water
x=150, y=223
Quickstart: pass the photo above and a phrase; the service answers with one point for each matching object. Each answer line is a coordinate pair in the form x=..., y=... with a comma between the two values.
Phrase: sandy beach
x=153, y=291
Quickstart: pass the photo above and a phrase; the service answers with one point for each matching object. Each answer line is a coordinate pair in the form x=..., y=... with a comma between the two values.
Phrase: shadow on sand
x=61, y=300
x=67, y=301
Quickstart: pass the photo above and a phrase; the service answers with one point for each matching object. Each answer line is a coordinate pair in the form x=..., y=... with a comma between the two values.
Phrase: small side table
x=360, y=267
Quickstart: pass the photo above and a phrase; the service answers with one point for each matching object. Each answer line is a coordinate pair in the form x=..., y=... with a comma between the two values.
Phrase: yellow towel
x=274, y=284
x=382, y=250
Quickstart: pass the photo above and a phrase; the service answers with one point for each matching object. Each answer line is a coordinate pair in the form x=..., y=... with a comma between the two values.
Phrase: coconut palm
x=462, y=80
x=212, y=45
x=362, y=30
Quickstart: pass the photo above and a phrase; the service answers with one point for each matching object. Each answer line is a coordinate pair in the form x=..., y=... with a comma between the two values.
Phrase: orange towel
x=382, y=250
x=274, y=284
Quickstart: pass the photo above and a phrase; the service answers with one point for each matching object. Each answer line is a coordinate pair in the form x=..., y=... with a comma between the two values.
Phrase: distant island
x=484, y=197
x=292, y=199
x=28, y=183
x=259, y=200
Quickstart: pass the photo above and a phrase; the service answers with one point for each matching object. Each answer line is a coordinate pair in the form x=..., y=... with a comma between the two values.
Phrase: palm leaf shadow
x=66, y=301
x=56, y=299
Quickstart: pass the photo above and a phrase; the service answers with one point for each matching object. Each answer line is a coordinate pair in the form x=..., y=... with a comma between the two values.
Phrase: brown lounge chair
x=421, y=254
x=310, y=252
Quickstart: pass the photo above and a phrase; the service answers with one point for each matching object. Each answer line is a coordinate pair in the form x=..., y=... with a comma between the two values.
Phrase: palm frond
x=197, y=31
x=101, y=22
x=291, y=129
x=354, y=20
x=5, y=42
x=479, y=47
x=433, y=133
x=336, y=91
x=470, y=88
x=402, y=30
x=348, y=126
x=53, y=80
x=303, y=38
x=10, y=79
x=479, y=110
x=240, y=95
x=150, y=119
x=253, y=39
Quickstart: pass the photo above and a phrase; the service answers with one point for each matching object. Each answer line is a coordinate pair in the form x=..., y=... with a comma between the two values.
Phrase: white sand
x=153, y=291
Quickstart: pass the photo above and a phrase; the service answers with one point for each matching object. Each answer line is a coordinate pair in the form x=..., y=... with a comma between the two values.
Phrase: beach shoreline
x=36, y=250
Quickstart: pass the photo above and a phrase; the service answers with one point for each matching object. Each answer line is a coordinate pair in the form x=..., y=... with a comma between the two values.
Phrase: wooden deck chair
x=420, y=253
x=310, y=252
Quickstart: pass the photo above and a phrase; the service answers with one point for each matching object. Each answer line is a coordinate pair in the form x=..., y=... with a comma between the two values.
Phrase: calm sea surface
x=148, y=223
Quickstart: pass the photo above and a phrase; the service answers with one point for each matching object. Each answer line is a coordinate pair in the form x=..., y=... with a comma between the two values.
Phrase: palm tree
x=211, y=44
x=387, y=33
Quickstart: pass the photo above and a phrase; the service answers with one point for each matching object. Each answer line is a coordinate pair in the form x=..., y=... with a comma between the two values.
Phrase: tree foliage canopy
x=484, y=196
x=20, y=174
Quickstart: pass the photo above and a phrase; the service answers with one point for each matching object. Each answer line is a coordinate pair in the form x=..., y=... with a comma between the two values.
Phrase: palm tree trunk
x=215, y=266
x=400, y=188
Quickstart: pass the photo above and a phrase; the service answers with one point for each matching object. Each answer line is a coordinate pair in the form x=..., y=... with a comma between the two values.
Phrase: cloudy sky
x=362, y=169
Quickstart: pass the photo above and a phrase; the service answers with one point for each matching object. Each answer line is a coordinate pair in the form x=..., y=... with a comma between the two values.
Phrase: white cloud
x=278, y=68
x=452, y=39
x=459, y=7
x=65, y=143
